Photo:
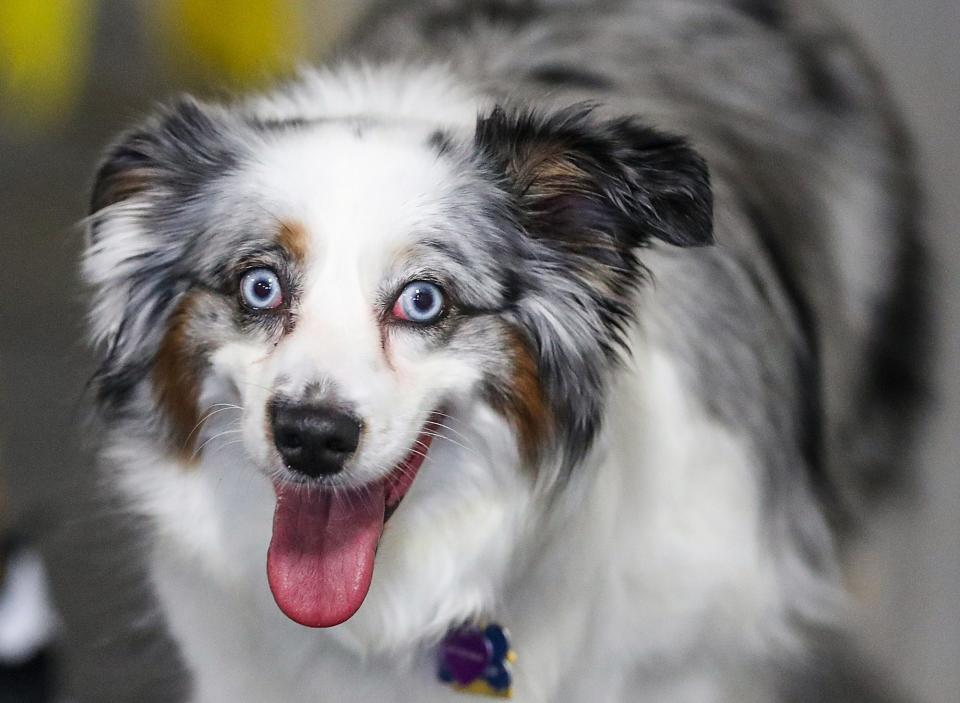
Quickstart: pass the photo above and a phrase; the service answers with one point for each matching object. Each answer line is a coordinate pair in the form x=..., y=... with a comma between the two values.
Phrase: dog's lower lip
x=389, y=510
x=401, y=478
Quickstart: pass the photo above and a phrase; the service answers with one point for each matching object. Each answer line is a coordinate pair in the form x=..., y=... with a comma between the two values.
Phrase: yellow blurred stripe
x=44, y=50
x=243, y=41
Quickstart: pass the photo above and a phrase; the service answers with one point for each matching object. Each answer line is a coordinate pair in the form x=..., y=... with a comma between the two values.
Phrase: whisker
x=447, y=427
x=472, y=449
x=224, y=445
x=207, y=417
x=452, y=418
x=219, y=434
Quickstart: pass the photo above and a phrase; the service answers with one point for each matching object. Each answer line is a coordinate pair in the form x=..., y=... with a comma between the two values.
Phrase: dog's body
x=637, y=445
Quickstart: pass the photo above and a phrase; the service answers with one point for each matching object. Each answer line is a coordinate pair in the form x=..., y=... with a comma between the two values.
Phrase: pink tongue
x=320, y=560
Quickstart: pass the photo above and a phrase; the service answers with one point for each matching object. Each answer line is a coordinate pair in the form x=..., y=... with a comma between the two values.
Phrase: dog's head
x=364, y=298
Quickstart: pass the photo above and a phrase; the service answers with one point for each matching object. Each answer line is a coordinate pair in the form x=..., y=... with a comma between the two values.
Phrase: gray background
x=907, y=575
x=912, y=619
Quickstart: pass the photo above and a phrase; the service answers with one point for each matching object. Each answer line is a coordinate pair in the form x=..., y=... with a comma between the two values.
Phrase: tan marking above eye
x=294, y=240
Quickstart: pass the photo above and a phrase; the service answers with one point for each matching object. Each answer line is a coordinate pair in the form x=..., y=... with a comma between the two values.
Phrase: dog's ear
x=587, y=193
x=140, y=226
x=575, y=176
x=180, y=147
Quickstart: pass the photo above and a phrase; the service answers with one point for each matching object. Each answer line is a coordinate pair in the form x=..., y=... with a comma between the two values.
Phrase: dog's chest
x=241, y=657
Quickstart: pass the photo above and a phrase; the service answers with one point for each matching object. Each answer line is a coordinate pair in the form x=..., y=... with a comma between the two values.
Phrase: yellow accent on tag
x=44, y=52
x=482, y=688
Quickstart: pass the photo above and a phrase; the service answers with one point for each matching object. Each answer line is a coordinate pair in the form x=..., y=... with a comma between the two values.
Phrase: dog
x=596, y=324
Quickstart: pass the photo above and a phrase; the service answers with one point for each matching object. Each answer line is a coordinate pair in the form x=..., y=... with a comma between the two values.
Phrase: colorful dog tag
x=475, y=660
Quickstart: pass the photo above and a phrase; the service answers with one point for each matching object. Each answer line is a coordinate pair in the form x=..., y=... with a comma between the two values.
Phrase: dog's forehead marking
x=294, y=240
x=356, y=193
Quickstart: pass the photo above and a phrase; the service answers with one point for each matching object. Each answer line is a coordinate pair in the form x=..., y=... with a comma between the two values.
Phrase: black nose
x=314, y=440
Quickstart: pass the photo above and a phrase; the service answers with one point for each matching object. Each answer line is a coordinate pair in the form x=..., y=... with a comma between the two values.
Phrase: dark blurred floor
x=29, y=682
x=114, y=639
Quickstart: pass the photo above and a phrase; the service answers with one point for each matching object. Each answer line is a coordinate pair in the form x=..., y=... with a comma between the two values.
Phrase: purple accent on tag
x=465, y=654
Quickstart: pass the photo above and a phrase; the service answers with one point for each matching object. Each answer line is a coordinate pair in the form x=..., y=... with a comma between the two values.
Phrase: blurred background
x=74, y=72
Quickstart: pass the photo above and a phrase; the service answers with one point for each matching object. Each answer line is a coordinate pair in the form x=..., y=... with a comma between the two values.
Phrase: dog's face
x=376, y=308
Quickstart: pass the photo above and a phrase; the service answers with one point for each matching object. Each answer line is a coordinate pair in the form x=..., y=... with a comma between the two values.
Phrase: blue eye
x=420, y=301
x=260, y=289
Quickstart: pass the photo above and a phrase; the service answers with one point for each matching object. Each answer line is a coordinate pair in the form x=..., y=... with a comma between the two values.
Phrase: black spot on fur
x=769, y=13
x=898, y=367
x=561, y=76
x=823, y=84
x=290, y=123
x=465, y=16
x=440, y=141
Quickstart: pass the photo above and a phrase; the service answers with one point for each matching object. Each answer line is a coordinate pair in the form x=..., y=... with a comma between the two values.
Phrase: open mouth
x=320, y=560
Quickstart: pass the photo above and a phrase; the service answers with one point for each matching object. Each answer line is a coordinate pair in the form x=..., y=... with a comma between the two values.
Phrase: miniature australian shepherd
x=593, y=321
